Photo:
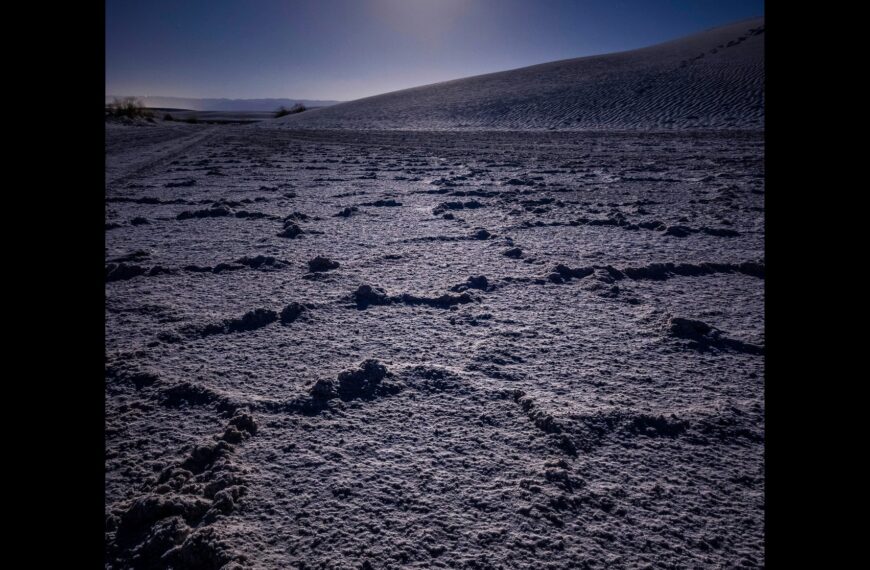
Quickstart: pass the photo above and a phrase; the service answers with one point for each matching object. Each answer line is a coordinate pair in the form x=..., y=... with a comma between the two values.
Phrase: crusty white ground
x=563, y=417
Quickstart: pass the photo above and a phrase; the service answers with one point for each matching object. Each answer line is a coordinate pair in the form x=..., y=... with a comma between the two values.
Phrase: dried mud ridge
x=369, y=381
x=582, y=433
x=121, y=271
x=508, y=351
x=168, y=522
x=367, y=295
x=619, y=220
x=702, y=336
x=654, y=271
x=250, y=321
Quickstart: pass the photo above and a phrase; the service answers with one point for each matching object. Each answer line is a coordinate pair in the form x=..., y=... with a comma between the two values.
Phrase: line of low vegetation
x=128, y=107
x=284, y=111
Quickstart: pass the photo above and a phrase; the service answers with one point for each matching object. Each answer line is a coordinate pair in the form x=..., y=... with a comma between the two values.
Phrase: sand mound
x=710, y=80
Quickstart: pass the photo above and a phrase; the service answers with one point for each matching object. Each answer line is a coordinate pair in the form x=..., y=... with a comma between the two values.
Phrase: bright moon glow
x=427, y=20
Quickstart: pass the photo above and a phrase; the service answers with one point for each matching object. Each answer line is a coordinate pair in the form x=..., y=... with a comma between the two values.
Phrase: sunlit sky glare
x=347, y=49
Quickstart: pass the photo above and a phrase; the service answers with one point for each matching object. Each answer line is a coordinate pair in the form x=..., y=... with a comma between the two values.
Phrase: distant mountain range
x=222, y=104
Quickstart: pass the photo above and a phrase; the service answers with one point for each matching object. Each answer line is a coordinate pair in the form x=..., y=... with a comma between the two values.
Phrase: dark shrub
x=128, y=107
x=284, y=111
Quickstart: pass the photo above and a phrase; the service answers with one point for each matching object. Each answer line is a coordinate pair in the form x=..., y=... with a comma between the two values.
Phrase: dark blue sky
x=346, y=49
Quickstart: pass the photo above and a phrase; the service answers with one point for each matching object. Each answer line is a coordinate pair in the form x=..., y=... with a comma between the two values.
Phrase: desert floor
x=537, y=350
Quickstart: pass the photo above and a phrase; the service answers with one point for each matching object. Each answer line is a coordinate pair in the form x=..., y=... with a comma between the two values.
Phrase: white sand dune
x=710, y=80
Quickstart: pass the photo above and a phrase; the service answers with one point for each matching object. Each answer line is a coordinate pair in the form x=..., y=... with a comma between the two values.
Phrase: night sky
x=347, y=49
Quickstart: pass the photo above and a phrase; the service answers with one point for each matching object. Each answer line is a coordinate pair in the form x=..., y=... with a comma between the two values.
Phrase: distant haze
x=347, y=49
x=220, y=104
